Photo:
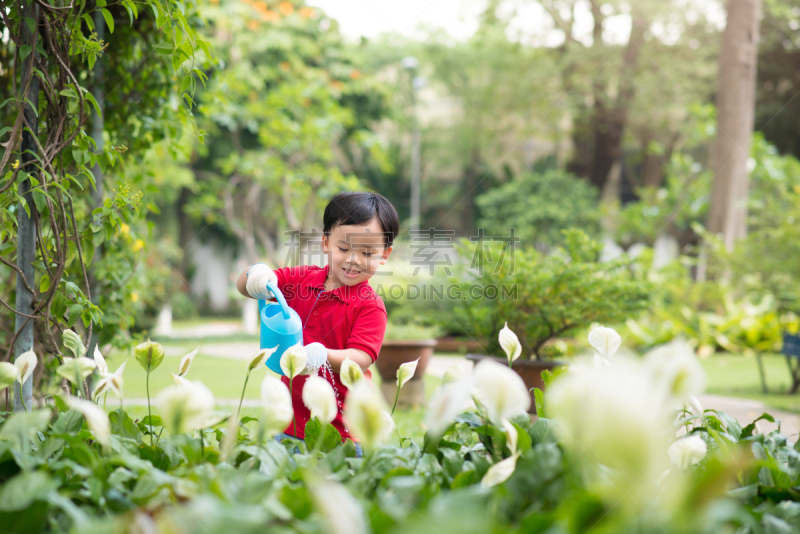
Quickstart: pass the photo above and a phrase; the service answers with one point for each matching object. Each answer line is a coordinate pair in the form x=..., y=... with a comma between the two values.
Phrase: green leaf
x=44, y=283
x=22, y=490
x=109, y=19
x=24, y=51
x=89, y=22
x=69, y=422
x=330, y=440
x=123, y=425
x=90, y=97
x=164, y=47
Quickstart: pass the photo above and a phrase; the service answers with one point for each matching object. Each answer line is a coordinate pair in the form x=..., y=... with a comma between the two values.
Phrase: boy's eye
x=342, y=249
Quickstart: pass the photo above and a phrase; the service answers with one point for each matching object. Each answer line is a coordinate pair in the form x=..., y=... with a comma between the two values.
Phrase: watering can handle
x=279, y=296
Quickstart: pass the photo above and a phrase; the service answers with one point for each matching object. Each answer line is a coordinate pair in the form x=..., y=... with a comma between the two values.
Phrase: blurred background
x=632, y=164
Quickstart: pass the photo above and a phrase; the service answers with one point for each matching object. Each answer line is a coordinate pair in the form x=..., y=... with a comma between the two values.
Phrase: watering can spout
x=285, y=309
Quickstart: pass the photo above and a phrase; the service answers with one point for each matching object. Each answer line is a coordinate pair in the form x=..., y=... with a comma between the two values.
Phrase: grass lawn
x=734, y=375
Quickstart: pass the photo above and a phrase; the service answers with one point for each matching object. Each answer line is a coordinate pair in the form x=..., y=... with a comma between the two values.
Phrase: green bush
x=543, y=296
x=539, y=206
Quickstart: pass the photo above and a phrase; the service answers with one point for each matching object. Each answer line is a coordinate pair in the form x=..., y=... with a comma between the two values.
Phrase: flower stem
x=239, y=409
x=396, y=396
x=294, y=419
x=149, y=412
x=22, y=400
x=202, y=446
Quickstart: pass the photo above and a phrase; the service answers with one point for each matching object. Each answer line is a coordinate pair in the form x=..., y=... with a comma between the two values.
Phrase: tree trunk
x=735, y=112
x=184, y=234
x=26, y=241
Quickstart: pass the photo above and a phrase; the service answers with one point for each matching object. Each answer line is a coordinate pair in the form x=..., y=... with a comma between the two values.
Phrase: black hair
x=352, y=209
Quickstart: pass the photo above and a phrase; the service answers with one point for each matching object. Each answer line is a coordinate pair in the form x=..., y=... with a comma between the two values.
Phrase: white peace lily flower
x=677, y=371
x=454, y=374
x=73, y=342
x=76, y=369
x=447, y=403
x=499, y=472
x=102, y=366
x=186, y=362
x=179, y=380
x=600, y=361
x=25, y=364
x=697, y=408
x=511, y=435
x=341, y=513
x=294, y=361
x=8, y=374
x=211, y=419
x=260, y=357
x=103, y=386
x=185, y=407
x=96, y=418
x=509, y=342
x=688, y=451
x=277, y=401
x=406, y=372
x=500, y=390
x=116, y=379
x=592, y=410
x=605, y=340
x=366, y=415
x=319, y=398
x=350, y=373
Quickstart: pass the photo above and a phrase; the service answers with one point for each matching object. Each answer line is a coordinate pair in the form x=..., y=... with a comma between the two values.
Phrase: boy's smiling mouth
x=351, y=273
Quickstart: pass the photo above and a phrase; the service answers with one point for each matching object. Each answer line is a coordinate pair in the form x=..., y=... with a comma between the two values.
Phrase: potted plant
x=542, y=298
x=402, y=344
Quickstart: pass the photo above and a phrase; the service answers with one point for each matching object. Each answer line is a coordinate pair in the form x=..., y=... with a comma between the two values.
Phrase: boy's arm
x=241, y=283
x=336, y=357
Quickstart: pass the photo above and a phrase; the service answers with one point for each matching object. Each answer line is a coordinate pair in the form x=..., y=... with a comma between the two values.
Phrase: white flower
x=179, y=380
x=319, y=398
x=697, y=408
x=294, y=361
x=103, y=386
x=677, y=372
x=96, y=418
x=73, y=342
x=260, y=357
x=500, y=390
x=499, y=472
x=185, y=407
x=102, y=366
x=454, y=374
x=25, y=364
x=688, y=451
x=76, y=369
x=149, y=355
x=277, y=401
x=340, y=511
x=350, y=373
x=511, y=435
x=366, y=415
x=450, y=401
x=186, y=362
x=116, y=378
x=509, y=342
x=406, y=372
x=611, y=416
x=605, y=340
x=8, y=374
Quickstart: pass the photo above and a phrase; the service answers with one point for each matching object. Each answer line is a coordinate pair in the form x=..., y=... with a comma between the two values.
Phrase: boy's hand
x=257, y=278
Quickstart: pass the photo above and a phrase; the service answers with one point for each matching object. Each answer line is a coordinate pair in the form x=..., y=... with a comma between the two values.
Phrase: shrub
x=547, y=295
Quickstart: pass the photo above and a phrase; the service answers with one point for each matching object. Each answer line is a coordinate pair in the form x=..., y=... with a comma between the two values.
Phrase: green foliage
x=411, y=331
x=542, y=296
x=539, y=206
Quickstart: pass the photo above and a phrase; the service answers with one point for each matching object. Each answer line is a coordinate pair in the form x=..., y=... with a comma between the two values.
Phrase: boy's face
x=355, y=252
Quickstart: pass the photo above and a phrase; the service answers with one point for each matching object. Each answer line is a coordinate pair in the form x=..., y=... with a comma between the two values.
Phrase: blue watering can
x=280, y=326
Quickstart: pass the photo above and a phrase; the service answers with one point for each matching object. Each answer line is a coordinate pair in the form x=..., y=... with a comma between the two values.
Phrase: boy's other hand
x=257, y=278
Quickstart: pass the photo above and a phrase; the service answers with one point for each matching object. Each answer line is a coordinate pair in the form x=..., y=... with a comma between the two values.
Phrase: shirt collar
x=344, y=293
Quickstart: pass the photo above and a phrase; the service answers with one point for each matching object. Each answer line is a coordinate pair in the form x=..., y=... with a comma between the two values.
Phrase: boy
x=342, y=315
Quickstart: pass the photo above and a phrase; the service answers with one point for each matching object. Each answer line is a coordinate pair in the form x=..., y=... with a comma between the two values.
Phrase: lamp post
x=411, y=64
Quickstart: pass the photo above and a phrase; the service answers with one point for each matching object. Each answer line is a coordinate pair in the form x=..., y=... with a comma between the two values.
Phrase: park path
x=744, y=410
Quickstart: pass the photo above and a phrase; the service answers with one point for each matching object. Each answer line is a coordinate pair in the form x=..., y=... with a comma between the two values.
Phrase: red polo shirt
x=344, y=318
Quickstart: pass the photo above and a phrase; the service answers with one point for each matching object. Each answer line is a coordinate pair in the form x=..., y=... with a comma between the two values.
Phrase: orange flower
x=253, y=25
x=260, y=6
x=286, y=8
x=247, y=1
x=337, y=84
x=306, y=12
x=355, y=74
x=285, y=66
x=214, y=1
x=270, y=16
x=306, y=102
